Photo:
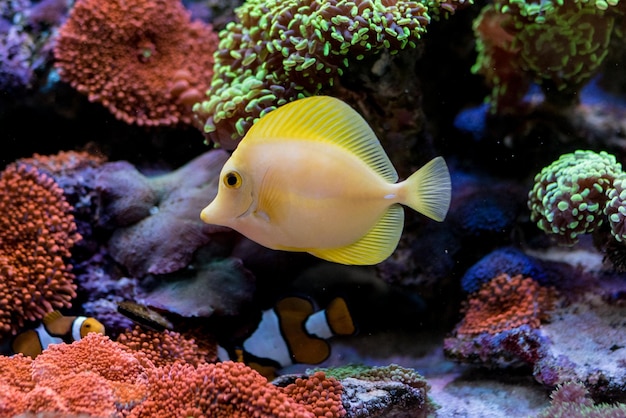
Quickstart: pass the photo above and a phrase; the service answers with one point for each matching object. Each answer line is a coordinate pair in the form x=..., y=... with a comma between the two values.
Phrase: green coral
x=558, y=44
x=571, y=400
x=279, y=51
x=390, y=373
x=615, y=209
x=569, y=196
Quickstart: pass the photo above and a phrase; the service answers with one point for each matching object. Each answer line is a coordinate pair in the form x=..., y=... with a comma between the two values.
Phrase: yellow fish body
x=312, y=176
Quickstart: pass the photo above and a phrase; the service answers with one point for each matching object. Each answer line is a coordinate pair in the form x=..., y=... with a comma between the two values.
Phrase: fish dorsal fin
x=50, y=317
x=324, y=119
x=375, y=246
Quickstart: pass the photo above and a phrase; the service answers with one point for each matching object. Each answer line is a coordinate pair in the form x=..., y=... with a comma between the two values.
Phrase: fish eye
x=232, y=180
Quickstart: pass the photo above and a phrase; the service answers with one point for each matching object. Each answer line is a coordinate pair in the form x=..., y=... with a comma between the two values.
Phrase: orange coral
x=505, y=303
x=218, y=390
x=15, y=383
x=100, y=377
x=142, y=59
x=38, y=231
x=166, y=347
x=321, y=394
x=64, y=162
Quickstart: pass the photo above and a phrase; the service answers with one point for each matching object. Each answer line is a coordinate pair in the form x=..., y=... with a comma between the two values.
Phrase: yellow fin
x=374, y=247
x=429, y=189
x=268, y=198
x=339, y=318
x=50, y=317
x=324, y=119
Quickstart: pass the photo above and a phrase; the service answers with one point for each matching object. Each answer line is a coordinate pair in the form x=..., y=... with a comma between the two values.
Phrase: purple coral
x=156, y=219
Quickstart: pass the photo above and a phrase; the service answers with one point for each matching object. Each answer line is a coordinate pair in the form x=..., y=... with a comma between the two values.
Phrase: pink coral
x=38, y=231
x=143, y=59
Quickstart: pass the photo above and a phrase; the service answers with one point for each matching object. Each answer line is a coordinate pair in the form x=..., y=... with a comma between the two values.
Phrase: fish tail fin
x=428, y=190
x=339, y=318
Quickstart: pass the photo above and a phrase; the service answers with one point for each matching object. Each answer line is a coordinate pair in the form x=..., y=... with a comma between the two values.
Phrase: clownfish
x=311, y=176
x=54, y=329
x=292, y=332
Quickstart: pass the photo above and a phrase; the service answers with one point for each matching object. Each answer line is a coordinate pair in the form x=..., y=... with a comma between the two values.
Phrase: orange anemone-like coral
x=101, y=377
x=145, y=60
x=166, y=347
x=505, y=303
x=322, y=394
x=218, y=390
x=38, y=231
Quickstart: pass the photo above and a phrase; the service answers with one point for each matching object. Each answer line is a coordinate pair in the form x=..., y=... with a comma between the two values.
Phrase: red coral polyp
x=145, y=60
x=38, y=230
x=505, y=303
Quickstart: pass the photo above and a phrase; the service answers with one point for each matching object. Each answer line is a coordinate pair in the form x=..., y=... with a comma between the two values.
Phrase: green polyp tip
x=563, y=206
x=209, y=127
x=615, y=218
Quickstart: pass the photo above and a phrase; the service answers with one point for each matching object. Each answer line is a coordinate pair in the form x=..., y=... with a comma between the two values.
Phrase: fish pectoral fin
x=378, y=244
x=268, y=199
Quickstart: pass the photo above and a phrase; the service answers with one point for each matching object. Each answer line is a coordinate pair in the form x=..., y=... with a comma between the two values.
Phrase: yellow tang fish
x=312, y=176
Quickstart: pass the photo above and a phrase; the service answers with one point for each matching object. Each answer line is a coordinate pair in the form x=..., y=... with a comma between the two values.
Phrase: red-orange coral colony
x=38, y=231
x=505, y=303
x=166, y=347
x=100, y=377
x=142, y=59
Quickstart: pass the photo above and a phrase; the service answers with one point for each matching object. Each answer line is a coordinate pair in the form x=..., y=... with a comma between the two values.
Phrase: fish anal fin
x=304, y=348
x=339, y=318
x=324, y=119
x=378, y=244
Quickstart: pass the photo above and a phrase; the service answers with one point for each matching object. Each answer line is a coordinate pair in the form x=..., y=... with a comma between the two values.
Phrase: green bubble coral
x=615, y=209
x=557, y=44
x=391, y=372
x=278, y=51
x=569, y=195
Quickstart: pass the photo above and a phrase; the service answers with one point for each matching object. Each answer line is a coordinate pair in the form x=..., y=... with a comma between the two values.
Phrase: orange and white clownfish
x=55, y=328
x=292, y=332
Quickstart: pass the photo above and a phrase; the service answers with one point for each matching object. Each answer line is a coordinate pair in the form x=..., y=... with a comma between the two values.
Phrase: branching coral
x=142, y=59
x=559, y=45
x=278, y=51
x=38, y=231
x=569, y=196
x=505, y=303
